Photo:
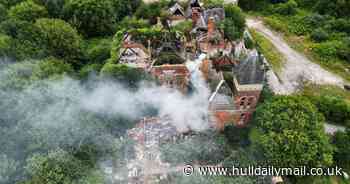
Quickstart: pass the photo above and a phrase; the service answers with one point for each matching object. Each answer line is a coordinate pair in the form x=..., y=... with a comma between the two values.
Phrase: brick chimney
x=195, y=16
x=211, y=26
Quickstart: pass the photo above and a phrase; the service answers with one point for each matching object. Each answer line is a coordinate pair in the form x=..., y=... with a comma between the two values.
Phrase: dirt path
x=297, y=68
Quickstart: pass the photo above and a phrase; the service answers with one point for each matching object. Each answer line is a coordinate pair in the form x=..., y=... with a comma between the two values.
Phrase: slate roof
x=250, y=71
x=217, y=13
x=175, y=8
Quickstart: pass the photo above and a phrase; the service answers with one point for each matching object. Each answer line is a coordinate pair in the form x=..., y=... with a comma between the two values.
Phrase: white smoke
x=186, y=112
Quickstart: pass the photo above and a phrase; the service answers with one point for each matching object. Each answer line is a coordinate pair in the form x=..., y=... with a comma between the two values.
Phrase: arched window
x=242, y=119
x=242, y=102
x=250, y=101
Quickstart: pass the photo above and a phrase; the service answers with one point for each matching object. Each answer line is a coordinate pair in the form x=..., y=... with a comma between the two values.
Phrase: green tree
x=54, y=7
x=151, y=11
x=3, y=13
x=290, y=133
x=127, y=75
x=342, y=144
x=234, y=23
x=55, y=168
x=9, y=3
x=91, y=17
x=5, y=45
x=57, y=38
x=98, y=50
x=51, y=67
x=28, y=11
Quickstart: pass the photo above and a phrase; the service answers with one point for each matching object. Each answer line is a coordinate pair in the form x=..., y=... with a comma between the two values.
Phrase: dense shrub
x=290, y=132
x=319, y=35
x=91, y=17
x=98, y=50
x=344, y=51
x=341, y=25
x=28, y=11
x=3, y=14
x=328, y=49
x=288, y=8
x=335, y=8
x=5, y=45
x=51, y=68
x=342, y=143
x=23, y=38
x=124, y=74
x=234, y=23
x=335, y=109
x=57, y=38
x=315, y=20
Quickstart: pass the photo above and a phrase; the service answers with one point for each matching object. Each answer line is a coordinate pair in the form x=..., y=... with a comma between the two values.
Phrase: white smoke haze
x=187, y=112
x=61, y=113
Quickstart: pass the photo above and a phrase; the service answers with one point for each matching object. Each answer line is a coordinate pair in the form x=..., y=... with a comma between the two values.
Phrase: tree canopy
x=28, y=11
x=57, y=38
x=342, y=143
x=234, y=23
x=290, y=133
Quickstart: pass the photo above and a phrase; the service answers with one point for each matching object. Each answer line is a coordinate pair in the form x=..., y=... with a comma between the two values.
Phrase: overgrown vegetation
x=274, y=57
x=318, y=28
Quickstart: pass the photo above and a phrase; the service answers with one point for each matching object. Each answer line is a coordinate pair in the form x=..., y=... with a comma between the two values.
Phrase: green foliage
x=151, y=11
x=124, y=74
x=28, y=11
x=234, y=23
x=91, y=17
x=20, y=75
x=22, y=42
x=51, y=68
x=335, y=109
x=3, y=13
x=184, y=27
x=125, y=7
x=335, y=8
x=290, y=133
x=319, y=35
x=169, y=58
x=288, y=8
x=9, y=3
x=116, y=45
x=269, y=51
x=57, y=38
x=87, y=70
x=328, y=49
x=55, y=168
x=213, y=3
x=132, y=23
x=252, y=4
x=5, y=45
x=54, y=7
x=98, y=50
x=342, y=143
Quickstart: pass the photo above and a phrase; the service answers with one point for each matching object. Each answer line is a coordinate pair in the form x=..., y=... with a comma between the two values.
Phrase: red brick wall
x=223, y=118
x=247, y=99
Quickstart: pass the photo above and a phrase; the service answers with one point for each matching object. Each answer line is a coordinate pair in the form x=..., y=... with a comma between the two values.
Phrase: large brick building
x=236, y=92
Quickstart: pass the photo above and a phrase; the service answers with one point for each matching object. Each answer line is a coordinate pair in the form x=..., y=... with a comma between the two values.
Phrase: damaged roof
x=250, y=71
x=217, y=13
x=176, y=8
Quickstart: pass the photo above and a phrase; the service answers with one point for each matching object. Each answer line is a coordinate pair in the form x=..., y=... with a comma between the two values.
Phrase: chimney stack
x=195, y=16
x=211, y=26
